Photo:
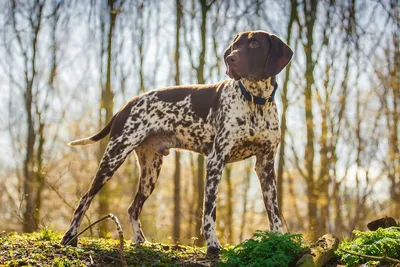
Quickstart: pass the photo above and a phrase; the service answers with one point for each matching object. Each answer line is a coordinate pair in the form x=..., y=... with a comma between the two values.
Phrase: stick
x=120, y=234
x=384, y=257
x=84, y=230
x=121, y=238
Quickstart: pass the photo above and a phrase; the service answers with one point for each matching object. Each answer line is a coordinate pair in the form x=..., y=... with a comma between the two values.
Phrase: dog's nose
x=232, y=59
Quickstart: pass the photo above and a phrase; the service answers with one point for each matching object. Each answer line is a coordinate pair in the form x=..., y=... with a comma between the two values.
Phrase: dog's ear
x=279, y=55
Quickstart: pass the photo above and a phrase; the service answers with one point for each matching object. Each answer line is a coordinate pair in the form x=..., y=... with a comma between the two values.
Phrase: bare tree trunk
x=310, y=9
x=177, y=174
x=200, y=79
x=245, y=199
x=200, y=197
x=338, y=210
x=281, y=162
x=29, y=183
x=229, y=204
x=141, y=56
x=107, y=105
x=39, y=179
x=394, y=134
x=294, y=205
x=40, y=148
x=193, y=200
x=28, y=215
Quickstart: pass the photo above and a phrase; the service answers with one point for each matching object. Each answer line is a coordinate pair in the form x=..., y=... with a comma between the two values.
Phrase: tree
x=177, y=174
x=285, y=104
x=229, y=203
x=389, y=96
x=107, y=105
x=27, y=47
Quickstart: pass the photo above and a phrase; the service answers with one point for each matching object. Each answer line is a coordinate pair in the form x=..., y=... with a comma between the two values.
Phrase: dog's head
x=256, y=55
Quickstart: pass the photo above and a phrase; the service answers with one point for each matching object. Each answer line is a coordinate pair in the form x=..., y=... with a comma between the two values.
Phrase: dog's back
x=173, y=117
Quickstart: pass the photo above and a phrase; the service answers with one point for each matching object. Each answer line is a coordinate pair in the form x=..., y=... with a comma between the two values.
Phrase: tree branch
x=383, y=258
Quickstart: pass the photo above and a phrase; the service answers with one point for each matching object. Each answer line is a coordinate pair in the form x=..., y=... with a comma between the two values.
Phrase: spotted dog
x=226, y=121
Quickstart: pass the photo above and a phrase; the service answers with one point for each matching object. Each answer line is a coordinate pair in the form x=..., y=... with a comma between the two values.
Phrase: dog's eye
x=254, y=44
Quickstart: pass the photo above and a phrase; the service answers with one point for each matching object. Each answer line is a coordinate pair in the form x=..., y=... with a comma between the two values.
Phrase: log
x=319, y=253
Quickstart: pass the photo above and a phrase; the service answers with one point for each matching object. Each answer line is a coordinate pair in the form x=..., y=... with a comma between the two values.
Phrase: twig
x=121, y=238
x=384, y=257
x=84, y=230
x=120, y=235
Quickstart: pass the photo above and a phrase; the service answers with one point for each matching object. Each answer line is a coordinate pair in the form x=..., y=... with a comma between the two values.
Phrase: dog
x=227, y=122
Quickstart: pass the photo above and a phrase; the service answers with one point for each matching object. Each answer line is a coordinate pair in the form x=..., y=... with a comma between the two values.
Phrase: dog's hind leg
x=115, y=154
x=150, y=165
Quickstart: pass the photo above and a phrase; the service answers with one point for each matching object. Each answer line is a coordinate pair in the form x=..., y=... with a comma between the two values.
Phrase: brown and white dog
x=227, y=122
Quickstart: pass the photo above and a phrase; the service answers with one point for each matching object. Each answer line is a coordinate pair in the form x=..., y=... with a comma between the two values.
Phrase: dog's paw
x=213, y=251
x=140, y=238
x=67, y=240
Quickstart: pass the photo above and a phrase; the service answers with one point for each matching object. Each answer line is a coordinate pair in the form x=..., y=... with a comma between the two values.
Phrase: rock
x=319, y=253
x=384, y=222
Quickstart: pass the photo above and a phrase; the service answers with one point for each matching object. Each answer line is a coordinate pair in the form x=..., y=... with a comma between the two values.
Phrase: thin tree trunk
x=294, y=206
x=177, y=174
x=28, y=215
x=245, y=199
x=310, y=9
x=39, y=178
x=229, y=204
x=41, y=139
x=201, y=80
x=193, y=200
x=107, y=105
x=394, y=135
x=338, y=210
x=281, y=162
x=29, y=184
x=200, y=197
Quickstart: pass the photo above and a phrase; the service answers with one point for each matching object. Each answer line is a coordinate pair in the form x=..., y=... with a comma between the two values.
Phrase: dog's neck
x=261, y=88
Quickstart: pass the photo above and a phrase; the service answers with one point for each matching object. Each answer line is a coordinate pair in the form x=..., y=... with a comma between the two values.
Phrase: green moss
x=264, y=249
x=382, y=242
x=43, y=248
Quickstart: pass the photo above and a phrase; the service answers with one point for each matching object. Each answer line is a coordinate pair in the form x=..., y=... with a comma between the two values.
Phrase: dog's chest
x=240, y=128
x=252, y=128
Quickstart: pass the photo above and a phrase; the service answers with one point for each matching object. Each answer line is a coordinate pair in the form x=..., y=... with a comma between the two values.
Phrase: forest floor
x=264, y=249
x=44, y=249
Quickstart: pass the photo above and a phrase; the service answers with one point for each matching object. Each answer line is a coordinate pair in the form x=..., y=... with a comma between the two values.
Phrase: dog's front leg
x=266, y=175
x=215, y=165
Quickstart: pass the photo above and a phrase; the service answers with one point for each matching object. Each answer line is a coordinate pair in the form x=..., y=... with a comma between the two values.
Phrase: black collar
x=257, y=99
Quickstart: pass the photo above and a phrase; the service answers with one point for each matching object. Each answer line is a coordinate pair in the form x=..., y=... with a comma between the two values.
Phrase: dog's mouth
x=234, y=74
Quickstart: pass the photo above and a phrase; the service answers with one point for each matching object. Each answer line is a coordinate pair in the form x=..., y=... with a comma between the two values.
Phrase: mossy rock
x=319, y=253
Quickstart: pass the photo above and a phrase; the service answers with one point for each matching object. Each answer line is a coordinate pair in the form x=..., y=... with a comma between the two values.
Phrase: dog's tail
x=94, y=138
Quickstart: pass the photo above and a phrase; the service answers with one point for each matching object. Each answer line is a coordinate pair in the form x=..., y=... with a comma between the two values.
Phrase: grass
x=44, y=249
x=264, y=249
